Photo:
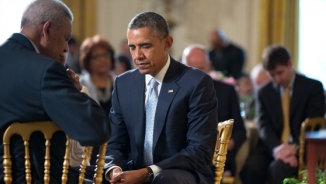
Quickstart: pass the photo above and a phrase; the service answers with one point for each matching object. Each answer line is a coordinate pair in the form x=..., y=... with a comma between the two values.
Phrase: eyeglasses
x=99, y=56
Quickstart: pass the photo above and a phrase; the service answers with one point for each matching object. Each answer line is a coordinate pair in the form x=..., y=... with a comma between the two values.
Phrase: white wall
x=195, y=19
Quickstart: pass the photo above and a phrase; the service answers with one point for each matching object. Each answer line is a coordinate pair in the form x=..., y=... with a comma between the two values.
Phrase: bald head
x=259, y=76
x=196, y=56
x=40, y=11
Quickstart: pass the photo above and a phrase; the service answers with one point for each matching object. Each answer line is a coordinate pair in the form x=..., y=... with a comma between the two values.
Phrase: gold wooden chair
x=310, y=124
x=219, y=158
x=48, y=128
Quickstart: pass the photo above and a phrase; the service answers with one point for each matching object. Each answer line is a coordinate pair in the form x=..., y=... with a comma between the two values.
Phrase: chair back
x=219, y=158
x=310, y=124
x=48, y=128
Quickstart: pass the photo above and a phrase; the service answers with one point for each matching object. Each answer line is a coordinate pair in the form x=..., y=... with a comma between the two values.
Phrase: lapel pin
x=170, y=91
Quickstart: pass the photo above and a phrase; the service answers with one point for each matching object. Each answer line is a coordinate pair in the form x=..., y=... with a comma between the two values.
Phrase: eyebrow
x=141, y=44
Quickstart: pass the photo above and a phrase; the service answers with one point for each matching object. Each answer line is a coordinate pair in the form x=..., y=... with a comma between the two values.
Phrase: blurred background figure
x=72, y=60
x=125, y=51
x=196, y=56
x=246, y=97
x=259, y=76
x=225, y=56
x=97, y=59
x=122, y=64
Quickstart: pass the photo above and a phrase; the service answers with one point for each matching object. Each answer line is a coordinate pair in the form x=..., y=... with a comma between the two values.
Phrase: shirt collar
x=292, y=80
x=160, y=76
x=32, y=44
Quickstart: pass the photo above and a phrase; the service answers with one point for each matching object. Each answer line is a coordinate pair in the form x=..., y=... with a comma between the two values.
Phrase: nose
x=277, y=79
x=66, y=48
x=137, y=54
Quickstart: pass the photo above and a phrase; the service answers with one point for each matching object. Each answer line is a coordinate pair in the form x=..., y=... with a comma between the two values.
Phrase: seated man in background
x=35, y=86
x=228, y=105
x=225, y=56
x=282, y=105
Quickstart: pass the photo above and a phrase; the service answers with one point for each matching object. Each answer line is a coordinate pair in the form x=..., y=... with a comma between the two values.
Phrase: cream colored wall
x=195, y=19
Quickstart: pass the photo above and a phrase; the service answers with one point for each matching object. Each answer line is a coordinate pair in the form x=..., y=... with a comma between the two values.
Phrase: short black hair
x=125, y=60
x=155, y=21
x=275, y=55
x=72, y=41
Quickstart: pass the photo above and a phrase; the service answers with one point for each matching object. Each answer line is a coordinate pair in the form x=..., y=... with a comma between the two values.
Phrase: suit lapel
x=137, y=90
x=296, y=94
x=168, y=91
x=275, y=99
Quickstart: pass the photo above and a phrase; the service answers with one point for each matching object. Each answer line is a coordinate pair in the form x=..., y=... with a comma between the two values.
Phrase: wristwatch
x=150, y=176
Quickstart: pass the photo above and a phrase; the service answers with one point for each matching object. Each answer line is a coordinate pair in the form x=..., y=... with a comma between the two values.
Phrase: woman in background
x=97, y=59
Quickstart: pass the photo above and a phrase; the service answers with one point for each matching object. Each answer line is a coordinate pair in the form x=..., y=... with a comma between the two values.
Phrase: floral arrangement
x=320, y=178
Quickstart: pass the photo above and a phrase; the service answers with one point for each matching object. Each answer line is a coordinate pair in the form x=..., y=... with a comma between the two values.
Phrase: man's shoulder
x=304, y=79
x=192, y=74
x=266, y=88
x=236, y=47
x=129, y=76
x=223, y=86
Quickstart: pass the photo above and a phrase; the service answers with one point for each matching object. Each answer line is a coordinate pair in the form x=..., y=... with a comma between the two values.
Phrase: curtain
x=84, y=24
x=279, y=25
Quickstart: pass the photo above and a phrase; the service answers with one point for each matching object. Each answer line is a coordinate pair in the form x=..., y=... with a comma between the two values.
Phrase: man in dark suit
x=175, y=146
x=225, y=56
x=36, y=87
x=227, y=101
x=282, y=105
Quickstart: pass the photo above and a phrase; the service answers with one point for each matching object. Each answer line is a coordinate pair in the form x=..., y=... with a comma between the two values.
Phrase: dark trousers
x=260, y=168
x=175, y=176
x=171, y=176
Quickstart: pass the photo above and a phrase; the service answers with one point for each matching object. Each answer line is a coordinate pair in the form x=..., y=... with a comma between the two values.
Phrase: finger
x=80, y=87
x=116, y=178
x=71, y=74
x=76, y=78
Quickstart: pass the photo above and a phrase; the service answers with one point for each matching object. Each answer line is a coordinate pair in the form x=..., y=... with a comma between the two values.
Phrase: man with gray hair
x=163, y=113
x=36, y=87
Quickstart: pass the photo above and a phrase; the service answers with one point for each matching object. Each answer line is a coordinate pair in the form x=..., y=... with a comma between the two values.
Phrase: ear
x=168, y=43
x=208, y=66
x=46, y=29
x=290, y=64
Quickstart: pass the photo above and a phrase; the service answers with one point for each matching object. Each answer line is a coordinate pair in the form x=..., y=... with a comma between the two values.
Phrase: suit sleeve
x=118, y=147
x=202, y=129
x=316, y=103
x=266, y=132
x=78, y=115
x=239, y=131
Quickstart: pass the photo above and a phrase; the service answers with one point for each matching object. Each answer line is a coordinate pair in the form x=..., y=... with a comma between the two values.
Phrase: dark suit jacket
x=185, y=121
x=228, y=108
x=37, y=88
x=307, y=100
x=229, y=61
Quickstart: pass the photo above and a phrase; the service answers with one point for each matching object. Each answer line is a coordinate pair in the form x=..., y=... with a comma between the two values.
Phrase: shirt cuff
x=156, y=169
x=107, y=175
